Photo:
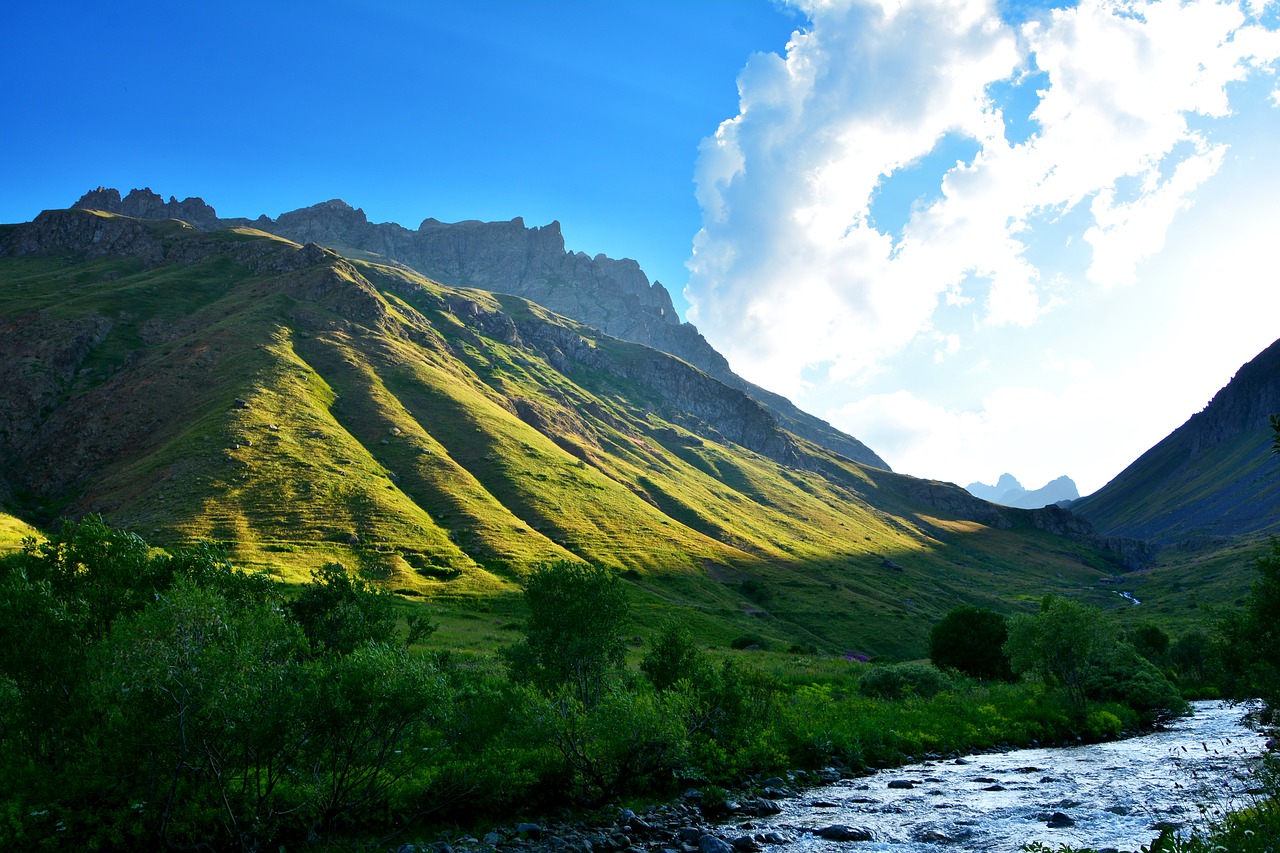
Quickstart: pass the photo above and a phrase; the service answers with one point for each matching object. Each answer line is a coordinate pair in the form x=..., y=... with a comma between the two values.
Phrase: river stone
x=995, y=788
x=934, y=836
x=529, y=830
x=1058, y=820
x=840, y=832
x=759, y=807
x=823, y=804
x=776, y=838
x=492, y=839
x=745, y=844
x=711, y=844
x=906, y=784
x=690, y=834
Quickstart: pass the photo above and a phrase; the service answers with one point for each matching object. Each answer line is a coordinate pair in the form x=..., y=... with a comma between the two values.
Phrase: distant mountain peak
x=1009, y=492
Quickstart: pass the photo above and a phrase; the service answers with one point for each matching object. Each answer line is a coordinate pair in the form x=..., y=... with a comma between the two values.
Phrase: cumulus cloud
x=790, y=268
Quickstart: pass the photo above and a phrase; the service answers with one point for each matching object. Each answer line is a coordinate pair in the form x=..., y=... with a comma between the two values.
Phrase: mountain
x=614, y=296
x=304, y=407
x=1215, y=476
x=1009, y=492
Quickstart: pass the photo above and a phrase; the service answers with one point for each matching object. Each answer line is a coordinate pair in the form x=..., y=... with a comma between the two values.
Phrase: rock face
x=1009, y=492
x=1214, y=476
x=614, y=296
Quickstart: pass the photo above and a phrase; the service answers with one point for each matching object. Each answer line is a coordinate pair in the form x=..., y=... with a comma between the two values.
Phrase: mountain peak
x=1009, y=492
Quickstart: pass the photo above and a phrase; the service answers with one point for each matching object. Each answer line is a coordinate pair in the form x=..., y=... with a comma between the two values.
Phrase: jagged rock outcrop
x=145, y=204
x=614, y=296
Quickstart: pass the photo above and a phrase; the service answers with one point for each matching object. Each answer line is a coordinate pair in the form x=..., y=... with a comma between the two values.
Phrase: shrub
x=629, y=741
x=971, y=640
x=339, y=611
x=672, y=657
x=897, y=681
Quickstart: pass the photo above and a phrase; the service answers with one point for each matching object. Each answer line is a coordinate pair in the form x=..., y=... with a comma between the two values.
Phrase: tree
x=339, y=611
x=1059, y=643
x=573, y=635
x=1151, y=642
x=1247, y=643
x=672, y=657
x=971, y=640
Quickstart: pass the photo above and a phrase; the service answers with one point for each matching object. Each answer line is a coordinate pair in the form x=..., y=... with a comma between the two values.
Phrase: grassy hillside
x=306, y=408
x=13, y=531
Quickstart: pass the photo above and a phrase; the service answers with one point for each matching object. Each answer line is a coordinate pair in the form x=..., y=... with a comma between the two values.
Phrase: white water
x=1115, y=792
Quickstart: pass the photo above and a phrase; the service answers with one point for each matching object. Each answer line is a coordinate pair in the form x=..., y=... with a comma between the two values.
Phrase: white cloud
x=789, y=270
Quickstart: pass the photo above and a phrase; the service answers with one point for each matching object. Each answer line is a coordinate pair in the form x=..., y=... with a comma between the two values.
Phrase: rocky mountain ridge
x=614, y=296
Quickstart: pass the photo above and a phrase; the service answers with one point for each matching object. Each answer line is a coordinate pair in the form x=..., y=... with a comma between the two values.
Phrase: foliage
x=1076, y=649
x=573, y=634
x=971, y=640
x=1247, y=642
x=672, y=656
x=170, y=701
x=898, y=681
x=338, y=611
x=1122, y=675
x=1058, y=644
x=1150, y=641
x=627, y=742
x=192, y=706
x=1189, y=655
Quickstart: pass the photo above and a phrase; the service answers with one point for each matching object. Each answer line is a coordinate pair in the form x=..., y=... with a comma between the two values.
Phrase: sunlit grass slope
x=13, y=531
x=306, y=408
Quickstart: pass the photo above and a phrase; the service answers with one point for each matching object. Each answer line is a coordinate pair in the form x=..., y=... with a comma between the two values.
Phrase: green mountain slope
x=305, y=408
x=1213, y=477
x=614, y=296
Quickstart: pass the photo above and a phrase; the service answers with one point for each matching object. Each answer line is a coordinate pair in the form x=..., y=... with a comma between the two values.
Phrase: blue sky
x=584, y=112
x=981, y=236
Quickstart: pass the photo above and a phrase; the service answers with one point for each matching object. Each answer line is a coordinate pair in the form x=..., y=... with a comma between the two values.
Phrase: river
x=1115, y=794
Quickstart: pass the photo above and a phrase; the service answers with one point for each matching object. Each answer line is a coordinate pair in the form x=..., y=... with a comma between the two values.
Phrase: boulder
x=840, y=832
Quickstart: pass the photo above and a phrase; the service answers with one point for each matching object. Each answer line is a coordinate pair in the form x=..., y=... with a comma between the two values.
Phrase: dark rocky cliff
x=614, y=296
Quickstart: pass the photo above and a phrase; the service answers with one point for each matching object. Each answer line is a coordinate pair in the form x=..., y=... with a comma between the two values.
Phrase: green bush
x=339, y=611
x=631, y=740
x=671, y=657
x=898, y=681
x=971, y=640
